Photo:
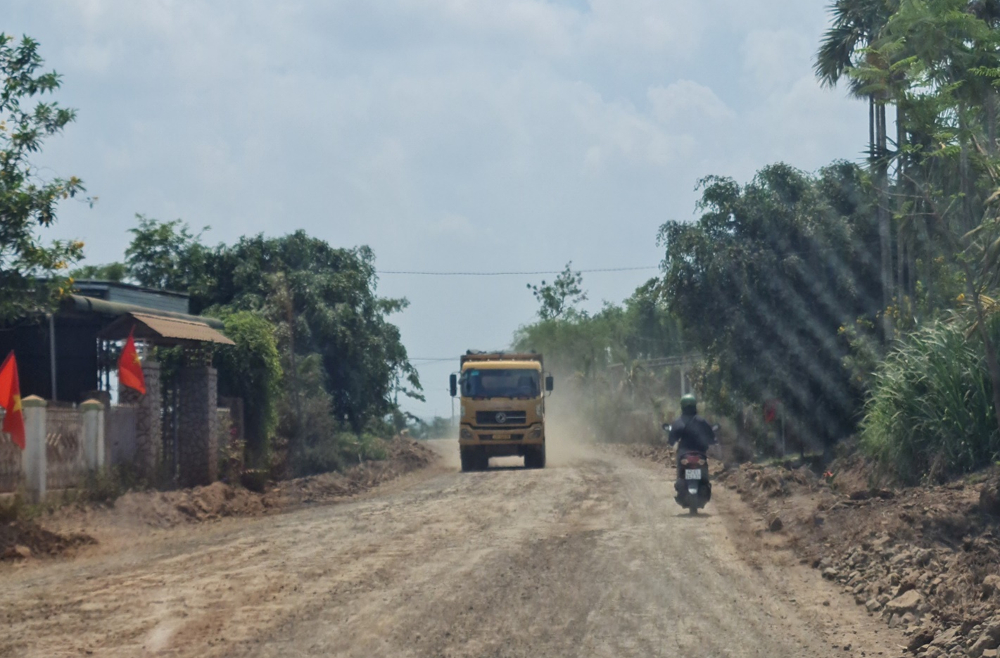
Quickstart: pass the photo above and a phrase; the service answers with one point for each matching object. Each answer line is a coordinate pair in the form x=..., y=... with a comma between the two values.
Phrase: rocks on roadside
x=989, y=497
x=988, y=640
x=908, y=601
x=774, y=523
x=991, y=584
x=920, y=639
x=18, y=552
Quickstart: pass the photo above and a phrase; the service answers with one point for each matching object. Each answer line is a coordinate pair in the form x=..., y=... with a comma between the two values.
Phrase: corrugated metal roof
x=81, y=304
x=182, y=329
x=162, y=329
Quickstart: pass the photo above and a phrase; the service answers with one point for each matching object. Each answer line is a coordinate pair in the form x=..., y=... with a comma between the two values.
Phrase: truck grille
x=501, y=417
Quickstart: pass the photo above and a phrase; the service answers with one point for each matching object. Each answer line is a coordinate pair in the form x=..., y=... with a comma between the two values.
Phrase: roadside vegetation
x=858, y=300
x=316, y=361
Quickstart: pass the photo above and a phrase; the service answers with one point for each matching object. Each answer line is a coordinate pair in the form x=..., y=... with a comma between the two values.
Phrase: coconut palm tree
x=857, y=25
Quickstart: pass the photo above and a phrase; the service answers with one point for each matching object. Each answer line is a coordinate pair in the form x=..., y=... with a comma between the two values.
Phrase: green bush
x=930, y=412
x=251, y=370
x=106, y=485
x=336, y=452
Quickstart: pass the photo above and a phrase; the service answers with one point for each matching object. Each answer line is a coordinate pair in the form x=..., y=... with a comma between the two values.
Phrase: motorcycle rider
x=691, y=432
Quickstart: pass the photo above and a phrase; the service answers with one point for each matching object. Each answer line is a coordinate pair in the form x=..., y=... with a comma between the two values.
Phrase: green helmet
x=689, y=402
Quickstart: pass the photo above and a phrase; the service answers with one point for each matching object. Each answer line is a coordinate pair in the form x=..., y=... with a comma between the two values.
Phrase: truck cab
x=502, y=399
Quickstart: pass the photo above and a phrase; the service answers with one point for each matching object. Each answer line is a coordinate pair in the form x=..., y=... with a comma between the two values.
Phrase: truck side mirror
x=548, y=384
x=453, y=384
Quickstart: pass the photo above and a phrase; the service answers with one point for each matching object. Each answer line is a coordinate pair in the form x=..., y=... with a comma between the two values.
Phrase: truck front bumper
x=507, y=437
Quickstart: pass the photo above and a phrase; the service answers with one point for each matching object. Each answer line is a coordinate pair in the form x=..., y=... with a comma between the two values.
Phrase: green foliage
x=640, y=328
x=107, y=485
x=32, y=275
x=930, y=413
x=765, y=280
x=602, y=363
x=435, y=428
x=322, y=302
x=559, y=298
x=166, y=255
x=116, y=272
x=297, y=306
x=251, y=370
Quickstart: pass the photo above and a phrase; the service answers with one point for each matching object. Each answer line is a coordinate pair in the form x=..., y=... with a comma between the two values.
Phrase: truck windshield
x=500, y=384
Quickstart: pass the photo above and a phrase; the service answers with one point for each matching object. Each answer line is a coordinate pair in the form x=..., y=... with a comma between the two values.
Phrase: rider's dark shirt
x=692, y=433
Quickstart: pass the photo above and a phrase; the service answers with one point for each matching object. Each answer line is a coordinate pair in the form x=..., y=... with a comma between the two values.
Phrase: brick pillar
x=148, y=420
x=198, y=426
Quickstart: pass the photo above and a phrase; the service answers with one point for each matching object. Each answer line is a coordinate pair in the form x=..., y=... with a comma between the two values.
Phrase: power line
x=603, y=269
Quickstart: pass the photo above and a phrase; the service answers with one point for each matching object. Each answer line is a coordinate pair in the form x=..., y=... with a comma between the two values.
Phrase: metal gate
x=120, y=435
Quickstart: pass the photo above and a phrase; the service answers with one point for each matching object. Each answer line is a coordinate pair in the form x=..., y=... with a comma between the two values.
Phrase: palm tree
x=856, y=26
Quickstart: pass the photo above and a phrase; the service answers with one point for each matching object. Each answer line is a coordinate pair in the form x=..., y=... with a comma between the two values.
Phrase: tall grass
x=930, y=412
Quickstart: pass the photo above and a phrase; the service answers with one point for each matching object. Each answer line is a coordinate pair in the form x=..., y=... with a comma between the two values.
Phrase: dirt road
x=590, y=557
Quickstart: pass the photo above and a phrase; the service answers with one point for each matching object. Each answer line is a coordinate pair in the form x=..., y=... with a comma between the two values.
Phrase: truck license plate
x=692, y=474
x=501, y=437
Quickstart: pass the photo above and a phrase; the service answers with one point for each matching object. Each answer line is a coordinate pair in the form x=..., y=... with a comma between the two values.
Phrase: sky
x=448, y=135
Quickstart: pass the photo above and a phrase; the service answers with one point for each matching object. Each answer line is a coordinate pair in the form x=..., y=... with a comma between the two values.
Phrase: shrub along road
x=590, y=557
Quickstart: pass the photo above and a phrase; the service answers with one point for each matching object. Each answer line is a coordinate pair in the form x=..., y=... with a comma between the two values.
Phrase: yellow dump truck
x=502, y=408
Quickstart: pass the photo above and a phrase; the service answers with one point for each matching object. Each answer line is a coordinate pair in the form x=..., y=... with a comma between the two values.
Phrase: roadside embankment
x=72, y=526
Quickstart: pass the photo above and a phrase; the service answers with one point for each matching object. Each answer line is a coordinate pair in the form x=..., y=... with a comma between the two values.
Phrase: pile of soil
x=925, y=559
x=20, y=540
x=165, y=509
x=405, y=455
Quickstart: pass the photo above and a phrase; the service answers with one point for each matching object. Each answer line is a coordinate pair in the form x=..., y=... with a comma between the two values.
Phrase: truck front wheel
x=534, y=457
x=469, y=459
x=474, y=459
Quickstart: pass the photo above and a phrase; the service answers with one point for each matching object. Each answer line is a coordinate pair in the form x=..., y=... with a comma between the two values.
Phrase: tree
x=32, y=275
x=857, y=25
x=767, y=279
x=166, y=255
x=116, y=272
x=956, y=178
x=251, y=370
x=559, y=298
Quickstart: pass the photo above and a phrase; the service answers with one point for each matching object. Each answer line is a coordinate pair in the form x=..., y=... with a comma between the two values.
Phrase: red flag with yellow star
x=10, y=400
x=130, y=368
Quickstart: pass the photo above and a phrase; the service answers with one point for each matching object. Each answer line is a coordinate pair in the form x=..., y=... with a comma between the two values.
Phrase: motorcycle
x=694, y=490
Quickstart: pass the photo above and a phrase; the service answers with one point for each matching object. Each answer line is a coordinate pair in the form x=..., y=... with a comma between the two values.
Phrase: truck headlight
x=536, y=433
x=465, y=434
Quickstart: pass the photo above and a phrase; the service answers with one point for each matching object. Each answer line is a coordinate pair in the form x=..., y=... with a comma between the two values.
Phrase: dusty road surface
x=590, y=557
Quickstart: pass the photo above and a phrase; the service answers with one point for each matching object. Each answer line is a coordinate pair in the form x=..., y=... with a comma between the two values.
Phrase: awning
x=162, y=330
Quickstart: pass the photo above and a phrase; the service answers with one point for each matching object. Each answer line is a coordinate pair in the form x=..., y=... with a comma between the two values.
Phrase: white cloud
x=775, y=59
x=687, y=104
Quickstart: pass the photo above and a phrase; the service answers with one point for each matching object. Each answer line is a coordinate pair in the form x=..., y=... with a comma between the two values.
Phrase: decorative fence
x=78, y=439
x=64, y=458
x=11, y=472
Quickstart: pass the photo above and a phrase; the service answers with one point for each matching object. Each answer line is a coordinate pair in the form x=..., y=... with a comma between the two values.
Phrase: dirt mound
x=24, y=539
x=165, y=509
x=170, y=508
x=405, y=455
x=926, y=559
